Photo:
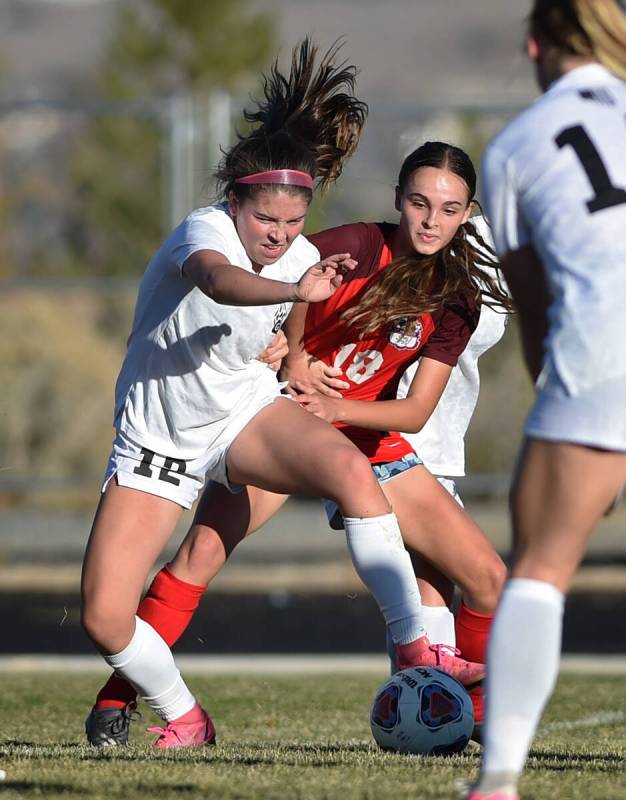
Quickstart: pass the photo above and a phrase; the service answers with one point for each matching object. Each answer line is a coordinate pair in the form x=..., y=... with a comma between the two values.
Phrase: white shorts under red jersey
x=374, y=365
x=555, y=178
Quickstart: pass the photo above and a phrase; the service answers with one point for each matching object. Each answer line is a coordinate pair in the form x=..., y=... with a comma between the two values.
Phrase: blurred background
x=112, y=115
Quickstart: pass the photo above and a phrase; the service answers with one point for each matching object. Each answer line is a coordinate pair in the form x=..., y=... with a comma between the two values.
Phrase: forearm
x=230, y=285
x=384, y=415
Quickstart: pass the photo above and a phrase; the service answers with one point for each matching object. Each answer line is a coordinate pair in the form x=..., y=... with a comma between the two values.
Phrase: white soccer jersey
x=441, y=442
x=555, y=177
x=191, y=363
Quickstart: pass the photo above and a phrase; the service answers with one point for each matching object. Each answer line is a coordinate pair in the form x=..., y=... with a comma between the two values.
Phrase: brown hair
x=413, y=285
x=595, y=28
x=308, y=121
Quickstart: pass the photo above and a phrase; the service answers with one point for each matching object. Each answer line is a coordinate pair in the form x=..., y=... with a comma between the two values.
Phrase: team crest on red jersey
x=402, y=340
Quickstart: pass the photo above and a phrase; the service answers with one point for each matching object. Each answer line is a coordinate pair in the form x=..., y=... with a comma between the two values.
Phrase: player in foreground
x=417, y=291
x=556, y=197
x=192, y=400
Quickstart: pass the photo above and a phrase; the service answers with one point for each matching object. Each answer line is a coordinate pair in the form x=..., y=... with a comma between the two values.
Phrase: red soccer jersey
x=374, y=365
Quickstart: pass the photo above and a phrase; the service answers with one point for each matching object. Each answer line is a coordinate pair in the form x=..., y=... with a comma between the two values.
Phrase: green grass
x=291, y=738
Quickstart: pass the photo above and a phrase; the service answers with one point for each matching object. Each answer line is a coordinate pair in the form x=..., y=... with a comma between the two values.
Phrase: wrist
x=294, y=294
x=340, y=412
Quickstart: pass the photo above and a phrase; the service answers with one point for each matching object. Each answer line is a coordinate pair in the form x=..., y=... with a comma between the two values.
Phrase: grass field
x=293, y=738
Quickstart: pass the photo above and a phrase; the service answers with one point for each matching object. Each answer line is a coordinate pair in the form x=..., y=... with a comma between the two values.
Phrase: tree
x=159, y=48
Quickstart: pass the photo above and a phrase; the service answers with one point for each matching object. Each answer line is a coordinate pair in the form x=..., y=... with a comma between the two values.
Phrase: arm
x=408, y=415
x=526, y=280
x=227, y=284
x=303, y=371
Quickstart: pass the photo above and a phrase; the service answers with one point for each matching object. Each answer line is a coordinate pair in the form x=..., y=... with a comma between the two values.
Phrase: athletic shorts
x=384, y=472
x=156, y=473
x=595, y=418
x=173, y=478
x=451, y=488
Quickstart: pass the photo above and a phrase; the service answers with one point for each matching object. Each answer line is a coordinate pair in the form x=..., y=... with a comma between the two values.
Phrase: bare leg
x=440, y=530
x=129, y=531
x=560, y=493
x=222, y=520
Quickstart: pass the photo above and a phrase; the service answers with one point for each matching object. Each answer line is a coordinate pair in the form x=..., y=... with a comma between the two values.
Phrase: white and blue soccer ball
x=422, y=711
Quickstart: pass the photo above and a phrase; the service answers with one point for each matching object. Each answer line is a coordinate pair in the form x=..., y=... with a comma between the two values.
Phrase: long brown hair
x=414, y=284
x=309, y=120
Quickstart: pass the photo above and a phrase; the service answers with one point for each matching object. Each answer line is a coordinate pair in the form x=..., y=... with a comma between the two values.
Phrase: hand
x=325, y=408
x=274, y=353
x=322, y=280
x=312, y=375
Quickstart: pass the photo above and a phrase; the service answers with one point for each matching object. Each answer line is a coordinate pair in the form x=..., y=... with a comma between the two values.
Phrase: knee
x=485, y=587
x=108, y=627
x=207, y=550
x=353, y=469
x=202, y=555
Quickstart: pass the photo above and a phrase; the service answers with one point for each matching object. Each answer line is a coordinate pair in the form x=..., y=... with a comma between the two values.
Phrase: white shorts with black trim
x=139, y=468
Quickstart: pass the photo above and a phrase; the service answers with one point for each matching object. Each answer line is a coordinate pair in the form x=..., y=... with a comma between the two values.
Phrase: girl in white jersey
x=193, y=401
x=436, y=186
x=556, y=197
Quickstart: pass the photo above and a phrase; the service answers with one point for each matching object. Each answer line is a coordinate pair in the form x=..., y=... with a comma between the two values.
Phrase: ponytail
x=308, y=121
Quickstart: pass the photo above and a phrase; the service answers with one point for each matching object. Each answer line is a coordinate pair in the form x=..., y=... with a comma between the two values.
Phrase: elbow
x=414, y=426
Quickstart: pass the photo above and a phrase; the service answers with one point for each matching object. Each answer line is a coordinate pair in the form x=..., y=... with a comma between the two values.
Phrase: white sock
x=384, y=566
x=439, y=624
x=522, y=668
x=147, y=663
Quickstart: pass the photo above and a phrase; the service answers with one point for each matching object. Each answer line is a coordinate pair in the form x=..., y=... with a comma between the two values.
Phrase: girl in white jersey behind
x=194, y=402
x=555, y=183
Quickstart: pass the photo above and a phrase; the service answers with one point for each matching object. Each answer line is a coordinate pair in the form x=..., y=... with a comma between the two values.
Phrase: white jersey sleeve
x=204, y=229
x=509, y=228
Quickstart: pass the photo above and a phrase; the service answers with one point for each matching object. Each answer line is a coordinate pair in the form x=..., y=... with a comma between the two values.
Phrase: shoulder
x=209, y=228
x=356, y=238
x=302, y=249
x=214, y=217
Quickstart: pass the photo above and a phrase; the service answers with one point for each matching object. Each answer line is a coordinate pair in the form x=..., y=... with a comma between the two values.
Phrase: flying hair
x=307, y=121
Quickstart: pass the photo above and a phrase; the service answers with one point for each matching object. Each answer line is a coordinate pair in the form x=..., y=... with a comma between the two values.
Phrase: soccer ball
x=422, y=711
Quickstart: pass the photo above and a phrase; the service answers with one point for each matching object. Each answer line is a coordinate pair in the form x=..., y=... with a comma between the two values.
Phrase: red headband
x=288, y=177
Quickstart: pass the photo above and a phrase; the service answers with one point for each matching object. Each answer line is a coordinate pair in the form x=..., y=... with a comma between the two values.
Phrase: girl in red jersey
x=415, y=294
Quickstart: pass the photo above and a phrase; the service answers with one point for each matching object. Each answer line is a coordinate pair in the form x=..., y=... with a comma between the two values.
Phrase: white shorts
x=155, y=473
x=595, y=418
x=173, y=478
x=449, y=484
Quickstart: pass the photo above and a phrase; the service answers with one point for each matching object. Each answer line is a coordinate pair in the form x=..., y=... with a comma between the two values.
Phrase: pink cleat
x=421, y=653
x=186, y=734
x=474, y=795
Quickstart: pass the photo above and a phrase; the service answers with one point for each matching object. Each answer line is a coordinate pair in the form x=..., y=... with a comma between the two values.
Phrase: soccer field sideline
x=279, y=664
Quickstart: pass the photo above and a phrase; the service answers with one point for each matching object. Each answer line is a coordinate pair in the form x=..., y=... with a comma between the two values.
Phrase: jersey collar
x=587, y=75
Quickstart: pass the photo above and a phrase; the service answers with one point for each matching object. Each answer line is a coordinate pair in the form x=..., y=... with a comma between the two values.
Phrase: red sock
x=168, y=606
x=472, y=633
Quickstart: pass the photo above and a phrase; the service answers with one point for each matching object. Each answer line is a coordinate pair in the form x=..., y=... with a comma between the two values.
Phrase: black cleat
x=109, y=727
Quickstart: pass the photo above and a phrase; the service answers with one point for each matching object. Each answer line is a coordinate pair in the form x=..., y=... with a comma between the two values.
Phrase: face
x=434, y=203
x=268, y=223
